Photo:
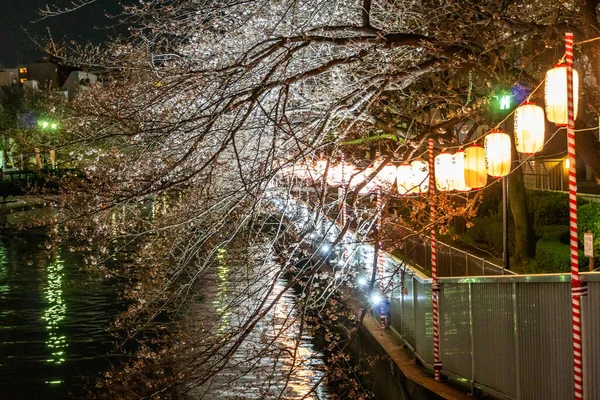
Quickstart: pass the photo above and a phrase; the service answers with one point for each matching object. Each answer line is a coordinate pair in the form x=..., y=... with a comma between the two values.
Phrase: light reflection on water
x=53, y=321
x=55, y=312
x=275, y=360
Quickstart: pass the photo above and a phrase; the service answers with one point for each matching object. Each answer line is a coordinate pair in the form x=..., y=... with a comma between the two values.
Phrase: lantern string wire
x=526, y=159
x=595, y=128
x=497, y=126
x=588, y=40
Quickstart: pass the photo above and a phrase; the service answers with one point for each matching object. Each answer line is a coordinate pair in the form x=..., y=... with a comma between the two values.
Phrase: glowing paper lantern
x=475, y=171
x=319, y=169
x=387, y=176
x=340, y=174
x=458, y=172
x=420, y=172
x=497, y=154
x=443, y=172
x=404, y=179
x=529, y=128
x=370, y=185
x=302, y=170
x=556, y=94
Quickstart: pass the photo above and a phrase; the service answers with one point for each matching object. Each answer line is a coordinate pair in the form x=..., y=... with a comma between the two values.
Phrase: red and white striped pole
x=343, y=188
x=343, y=205
x=435, y=288
x=577, y=290
x=380, y=259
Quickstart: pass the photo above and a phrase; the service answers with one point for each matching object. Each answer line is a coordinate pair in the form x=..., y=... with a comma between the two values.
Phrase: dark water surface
x=53, y=321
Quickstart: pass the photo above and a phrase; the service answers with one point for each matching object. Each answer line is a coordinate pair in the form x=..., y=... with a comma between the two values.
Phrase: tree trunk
x=517, y=200
x=524, y=234
x=586, y=144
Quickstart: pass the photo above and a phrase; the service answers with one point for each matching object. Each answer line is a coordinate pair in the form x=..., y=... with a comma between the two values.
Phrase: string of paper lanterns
x=466, y=169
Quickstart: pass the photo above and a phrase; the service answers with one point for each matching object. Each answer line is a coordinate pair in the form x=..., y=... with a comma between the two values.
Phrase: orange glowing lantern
x=474, y=167
x=458, y=172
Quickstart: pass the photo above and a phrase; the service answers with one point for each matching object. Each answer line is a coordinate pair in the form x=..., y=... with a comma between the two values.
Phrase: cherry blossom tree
x=207, y=103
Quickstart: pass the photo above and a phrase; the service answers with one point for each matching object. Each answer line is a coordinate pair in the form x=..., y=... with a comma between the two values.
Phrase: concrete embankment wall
x=393, y=374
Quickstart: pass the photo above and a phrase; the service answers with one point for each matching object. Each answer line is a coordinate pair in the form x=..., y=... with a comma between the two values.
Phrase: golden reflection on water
x=221, y=301
x=4, y=287
x=276, y=360
x=55, y=312
x=303, y=364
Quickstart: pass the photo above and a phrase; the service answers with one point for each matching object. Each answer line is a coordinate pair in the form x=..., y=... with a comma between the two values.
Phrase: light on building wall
x=475, y=172
x=556, y=94
x=497, y=154
x=529, y=128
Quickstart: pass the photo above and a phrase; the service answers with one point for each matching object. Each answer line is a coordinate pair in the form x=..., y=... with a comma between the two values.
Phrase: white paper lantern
x=365, y=175
x=341, y=174
x=529, y=128
x=387, y=176
x=474, y=168
x=301, y=170
x=404, y=179
x=443, y=172
x=458, y=172
x=556, y=94
x=497, y=154
x=420, y=172
x=319, y=169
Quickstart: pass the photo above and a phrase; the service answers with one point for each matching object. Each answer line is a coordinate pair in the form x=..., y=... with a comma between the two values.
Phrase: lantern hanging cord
x=587, y=41
x=595, y=128
x=501, y=122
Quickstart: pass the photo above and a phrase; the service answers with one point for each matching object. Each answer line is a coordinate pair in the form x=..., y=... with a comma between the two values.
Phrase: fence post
x=517, y=346
x=472, y=331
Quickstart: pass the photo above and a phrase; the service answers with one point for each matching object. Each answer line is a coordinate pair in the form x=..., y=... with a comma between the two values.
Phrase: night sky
x=86, y=24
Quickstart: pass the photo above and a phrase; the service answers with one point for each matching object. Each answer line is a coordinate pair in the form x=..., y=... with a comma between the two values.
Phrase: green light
x=53, y=126
x=505, y=102
x=44, y=124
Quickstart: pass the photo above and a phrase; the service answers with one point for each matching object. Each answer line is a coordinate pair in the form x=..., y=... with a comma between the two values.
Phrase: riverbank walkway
x=507, y=336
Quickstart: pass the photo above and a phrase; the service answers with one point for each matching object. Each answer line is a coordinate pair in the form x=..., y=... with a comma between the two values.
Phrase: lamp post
x=52, y=126
x=505, y=253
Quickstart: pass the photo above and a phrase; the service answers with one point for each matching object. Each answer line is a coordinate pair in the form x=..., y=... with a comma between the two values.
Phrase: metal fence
x=451, y=261
x=508, y=336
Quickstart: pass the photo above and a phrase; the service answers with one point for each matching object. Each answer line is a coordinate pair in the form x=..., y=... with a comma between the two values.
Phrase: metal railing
x=508, y=336
x=451, y=260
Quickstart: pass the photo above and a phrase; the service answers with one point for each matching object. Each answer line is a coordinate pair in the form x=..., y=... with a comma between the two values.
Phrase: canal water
x=278, y=359
x=53, y=320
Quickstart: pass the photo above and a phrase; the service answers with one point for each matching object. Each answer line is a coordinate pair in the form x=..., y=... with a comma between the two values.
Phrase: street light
x=45, y=124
